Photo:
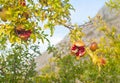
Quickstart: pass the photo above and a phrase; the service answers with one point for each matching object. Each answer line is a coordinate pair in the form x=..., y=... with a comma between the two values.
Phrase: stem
x=86, y=24
x=69, y=27
x=89, y=52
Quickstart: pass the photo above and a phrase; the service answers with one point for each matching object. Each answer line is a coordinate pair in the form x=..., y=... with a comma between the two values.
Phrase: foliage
x=114, y=4
x=22, y=22
x=17, y=65
x=70, y=70
x=31, y=15
x=76, y=34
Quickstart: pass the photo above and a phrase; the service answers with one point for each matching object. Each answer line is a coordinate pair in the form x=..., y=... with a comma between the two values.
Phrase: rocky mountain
x=111, y=17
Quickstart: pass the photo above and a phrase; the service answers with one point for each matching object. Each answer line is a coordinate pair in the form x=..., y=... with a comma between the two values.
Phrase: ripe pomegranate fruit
x=78, y=49
x=102, y=61
x=93, y=46
x=22, y=33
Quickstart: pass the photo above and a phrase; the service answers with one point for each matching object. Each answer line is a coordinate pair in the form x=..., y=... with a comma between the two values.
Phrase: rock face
x=111, y=17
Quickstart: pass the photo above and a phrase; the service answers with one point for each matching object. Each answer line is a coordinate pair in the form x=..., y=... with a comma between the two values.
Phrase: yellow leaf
x=33, y=36
x=11, y=39
x=18, y=40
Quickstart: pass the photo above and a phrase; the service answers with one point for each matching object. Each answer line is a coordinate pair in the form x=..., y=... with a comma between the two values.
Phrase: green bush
x=17, y=65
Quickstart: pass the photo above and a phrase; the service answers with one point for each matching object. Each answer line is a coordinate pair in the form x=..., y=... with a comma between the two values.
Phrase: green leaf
x=52, y=30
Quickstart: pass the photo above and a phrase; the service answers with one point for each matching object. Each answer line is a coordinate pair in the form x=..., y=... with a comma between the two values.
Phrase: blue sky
x=83, y=9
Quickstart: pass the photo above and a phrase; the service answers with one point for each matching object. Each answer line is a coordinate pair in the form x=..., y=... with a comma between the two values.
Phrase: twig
x=69, y=27
x=86, y=24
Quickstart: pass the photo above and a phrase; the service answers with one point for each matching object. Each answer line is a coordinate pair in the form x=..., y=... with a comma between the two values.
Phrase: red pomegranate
x=22, y=33
x=78, y=48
